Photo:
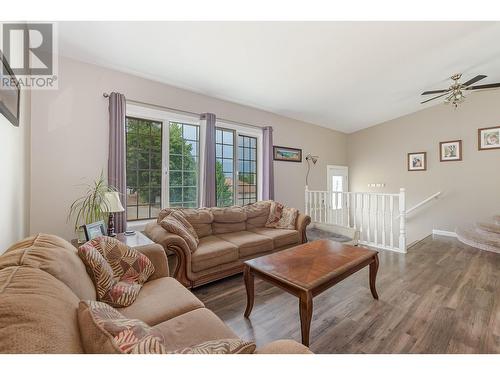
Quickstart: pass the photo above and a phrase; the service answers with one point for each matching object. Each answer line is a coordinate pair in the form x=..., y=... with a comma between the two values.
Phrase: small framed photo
x=417, y=161
x=287, y=154
x=450, y=150
x=488, y=138
x=94, y=230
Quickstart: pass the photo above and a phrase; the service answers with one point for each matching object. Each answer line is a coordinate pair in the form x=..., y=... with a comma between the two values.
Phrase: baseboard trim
x=444, y=233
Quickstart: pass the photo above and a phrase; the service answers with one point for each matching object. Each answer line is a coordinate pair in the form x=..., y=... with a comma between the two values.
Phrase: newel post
x=402, y=220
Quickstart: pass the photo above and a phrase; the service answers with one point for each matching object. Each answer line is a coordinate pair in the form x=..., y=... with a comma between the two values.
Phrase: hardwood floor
x=441, y=297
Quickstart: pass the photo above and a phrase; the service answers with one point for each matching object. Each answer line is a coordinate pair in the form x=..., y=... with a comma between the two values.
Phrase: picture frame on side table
x=450, y=150
x=287, y=154
x=488, y=138
x=417, y=161
x=94, y=230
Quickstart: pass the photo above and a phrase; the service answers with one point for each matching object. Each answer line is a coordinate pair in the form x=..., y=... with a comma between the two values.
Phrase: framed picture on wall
x=450, y=150
x=417, y=161
x=488, y=138
x=9, y=92
x=287, y=154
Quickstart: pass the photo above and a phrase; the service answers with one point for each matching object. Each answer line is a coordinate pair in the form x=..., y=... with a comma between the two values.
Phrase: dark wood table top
x=311, y=264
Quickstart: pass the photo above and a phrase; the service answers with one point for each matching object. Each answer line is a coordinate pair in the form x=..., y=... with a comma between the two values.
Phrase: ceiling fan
x=455, y=93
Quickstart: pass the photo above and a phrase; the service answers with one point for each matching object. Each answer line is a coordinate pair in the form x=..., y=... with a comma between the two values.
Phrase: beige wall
x=471, y=188
x=70, y=138
x=15, y=171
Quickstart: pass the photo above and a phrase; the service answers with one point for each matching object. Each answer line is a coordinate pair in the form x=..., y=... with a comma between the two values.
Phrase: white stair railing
x=380, y=217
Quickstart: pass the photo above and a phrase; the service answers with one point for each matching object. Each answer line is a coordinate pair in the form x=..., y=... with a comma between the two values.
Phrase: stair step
x=489, y=227
x=488, y=241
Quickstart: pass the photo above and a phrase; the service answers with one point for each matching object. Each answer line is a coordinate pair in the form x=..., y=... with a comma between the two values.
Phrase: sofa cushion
x=257, y=214
x=201, y=219
x=248, y=243
x=37, y=313
x=213, y=251
x=193, y=328
x=55, y=256
x=234, y=214
x=280, y=237
x=118, y=271
x=176, y=223
x=160, y=300
x=283, y=347
x=221, y=228
x=105, y=331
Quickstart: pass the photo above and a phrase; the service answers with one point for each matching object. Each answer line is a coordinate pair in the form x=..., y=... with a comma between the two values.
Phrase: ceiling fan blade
x=474, y=80
x=480, y=87
x=428, y=100
x=434, y=92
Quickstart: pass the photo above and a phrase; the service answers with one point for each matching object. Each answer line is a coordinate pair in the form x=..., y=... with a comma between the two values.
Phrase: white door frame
x=329, y=168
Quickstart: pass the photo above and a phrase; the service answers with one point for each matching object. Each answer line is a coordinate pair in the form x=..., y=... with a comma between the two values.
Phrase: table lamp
x=112, y=204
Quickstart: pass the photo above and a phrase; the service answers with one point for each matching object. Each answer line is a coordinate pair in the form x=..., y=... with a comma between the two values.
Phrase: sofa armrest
x=157, y=256
x=175, y=244
x=283, y=347
x=303, y=221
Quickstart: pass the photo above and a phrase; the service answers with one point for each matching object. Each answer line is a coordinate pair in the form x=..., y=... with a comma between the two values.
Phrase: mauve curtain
x=116, y=158
x=208, y=198
x=267, y=164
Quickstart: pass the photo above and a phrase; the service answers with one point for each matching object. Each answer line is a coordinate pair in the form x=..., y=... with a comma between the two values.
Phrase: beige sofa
x=42, y=280
x=228, y=236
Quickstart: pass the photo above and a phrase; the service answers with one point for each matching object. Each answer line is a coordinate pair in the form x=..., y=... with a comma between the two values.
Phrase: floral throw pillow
x=177, y=224
x=275, y=212
x=222, y=346
x=117, y=270
x=104, y=330
x=288, y=218
x=281, y=217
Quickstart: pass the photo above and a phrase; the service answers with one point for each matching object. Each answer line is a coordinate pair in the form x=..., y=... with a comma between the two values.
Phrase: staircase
x=484, y=236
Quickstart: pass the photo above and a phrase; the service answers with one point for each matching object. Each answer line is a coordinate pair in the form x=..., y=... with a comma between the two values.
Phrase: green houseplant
x=90, y=207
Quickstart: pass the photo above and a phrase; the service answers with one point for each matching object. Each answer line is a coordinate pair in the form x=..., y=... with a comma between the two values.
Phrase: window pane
x=224, y=167
x=227, y=137
x=247, y=173
x=227, y=151
x=143, y=160
x=184, y=165
x=190, y=132
x=227, y=165
x=190, y=179
x=176, y=195
x=190, y=163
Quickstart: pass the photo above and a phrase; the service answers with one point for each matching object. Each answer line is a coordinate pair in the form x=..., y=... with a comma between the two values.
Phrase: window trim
x=250, y=132
x=166, y=118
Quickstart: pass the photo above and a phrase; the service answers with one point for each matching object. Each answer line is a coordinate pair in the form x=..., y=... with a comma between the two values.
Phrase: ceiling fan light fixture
x=455, y=93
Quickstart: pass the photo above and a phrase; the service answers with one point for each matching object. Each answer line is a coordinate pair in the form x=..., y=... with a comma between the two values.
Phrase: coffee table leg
x=305, y=311
x=249, y=285
x=373, y=276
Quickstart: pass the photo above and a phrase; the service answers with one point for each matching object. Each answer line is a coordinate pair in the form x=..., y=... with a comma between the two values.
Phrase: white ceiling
x=342, y=75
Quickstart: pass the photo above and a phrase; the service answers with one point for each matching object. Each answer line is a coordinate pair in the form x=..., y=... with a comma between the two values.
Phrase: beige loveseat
x=42, y=280
x=228, y=236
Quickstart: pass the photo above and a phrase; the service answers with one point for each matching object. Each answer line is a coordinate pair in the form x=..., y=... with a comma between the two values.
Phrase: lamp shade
x=112, y=202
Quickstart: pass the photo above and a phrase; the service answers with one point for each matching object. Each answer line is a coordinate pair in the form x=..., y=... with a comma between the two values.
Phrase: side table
x=137, y=239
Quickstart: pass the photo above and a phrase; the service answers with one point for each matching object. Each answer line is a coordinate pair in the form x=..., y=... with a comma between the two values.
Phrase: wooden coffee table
x=307, y=270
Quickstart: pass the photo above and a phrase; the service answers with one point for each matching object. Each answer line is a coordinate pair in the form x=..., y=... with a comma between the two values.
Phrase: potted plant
x=91, y=207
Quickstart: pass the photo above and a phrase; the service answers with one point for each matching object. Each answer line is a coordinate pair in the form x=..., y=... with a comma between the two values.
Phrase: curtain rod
x=181, y=111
